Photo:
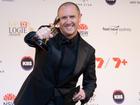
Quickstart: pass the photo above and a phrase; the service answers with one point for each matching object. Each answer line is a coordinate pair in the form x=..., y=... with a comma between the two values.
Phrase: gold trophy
x=53, y=27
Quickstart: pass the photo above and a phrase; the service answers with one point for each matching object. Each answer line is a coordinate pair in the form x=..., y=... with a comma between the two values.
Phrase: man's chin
x=69, y=31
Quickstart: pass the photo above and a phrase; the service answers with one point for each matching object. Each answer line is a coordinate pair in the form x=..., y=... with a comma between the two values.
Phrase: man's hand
x=79, y=96
x=44, y=33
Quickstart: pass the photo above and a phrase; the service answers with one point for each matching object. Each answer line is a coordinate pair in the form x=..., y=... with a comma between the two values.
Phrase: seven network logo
x=115, y=62
x=111, y=2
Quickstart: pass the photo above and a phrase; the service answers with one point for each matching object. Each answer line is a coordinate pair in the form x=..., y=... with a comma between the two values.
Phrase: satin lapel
x=81, y=57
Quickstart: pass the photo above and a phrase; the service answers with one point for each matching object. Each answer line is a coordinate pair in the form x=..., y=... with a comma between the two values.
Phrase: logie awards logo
x=17, y=28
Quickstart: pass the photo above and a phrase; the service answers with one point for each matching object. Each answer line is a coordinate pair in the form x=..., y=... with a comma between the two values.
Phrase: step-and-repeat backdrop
x=111, y=26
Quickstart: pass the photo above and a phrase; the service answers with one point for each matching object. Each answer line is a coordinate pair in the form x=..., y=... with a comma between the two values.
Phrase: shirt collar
x=65, y=41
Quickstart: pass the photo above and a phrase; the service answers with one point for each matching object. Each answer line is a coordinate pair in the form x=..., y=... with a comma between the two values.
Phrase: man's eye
x=64, y=18
x=72, y=17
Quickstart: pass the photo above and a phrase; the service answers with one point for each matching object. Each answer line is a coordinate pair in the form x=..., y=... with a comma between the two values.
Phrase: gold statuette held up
x=53, y=28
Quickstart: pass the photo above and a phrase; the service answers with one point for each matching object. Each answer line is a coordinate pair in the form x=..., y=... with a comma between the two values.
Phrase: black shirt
x=68, y=56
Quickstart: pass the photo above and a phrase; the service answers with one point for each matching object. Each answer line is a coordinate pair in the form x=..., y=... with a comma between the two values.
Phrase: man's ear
x=80, y=17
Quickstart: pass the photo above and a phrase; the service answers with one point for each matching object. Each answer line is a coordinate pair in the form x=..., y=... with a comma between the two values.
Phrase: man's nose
x=68, y=19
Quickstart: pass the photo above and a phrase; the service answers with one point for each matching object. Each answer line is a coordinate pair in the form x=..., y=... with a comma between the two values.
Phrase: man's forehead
x=68, y=10
x=68, y=7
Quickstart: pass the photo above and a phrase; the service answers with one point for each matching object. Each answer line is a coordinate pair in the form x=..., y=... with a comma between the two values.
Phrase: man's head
x=70, y=17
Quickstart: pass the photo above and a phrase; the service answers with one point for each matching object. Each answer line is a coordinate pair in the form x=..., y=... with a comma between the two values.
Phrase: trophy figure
x=53, y=29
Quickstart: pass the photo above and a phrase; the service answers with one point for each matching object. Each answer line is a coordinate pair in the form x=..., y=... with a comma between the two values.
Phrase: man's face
x=69, y=20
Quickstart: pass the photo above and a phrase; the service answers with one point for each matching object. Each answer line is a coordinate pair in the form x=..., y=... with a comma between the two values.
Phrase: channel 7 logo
x=116, y=62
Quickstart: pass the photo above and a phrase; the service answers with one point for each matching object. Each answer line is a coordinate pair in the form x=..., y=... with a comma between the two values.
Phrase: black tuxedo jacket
x=39, y=87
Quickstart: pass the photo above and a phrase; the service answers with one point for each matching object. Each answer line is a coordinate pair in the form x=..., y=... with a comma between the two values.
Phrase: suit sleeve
x=33, y=41
x=89, y=78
